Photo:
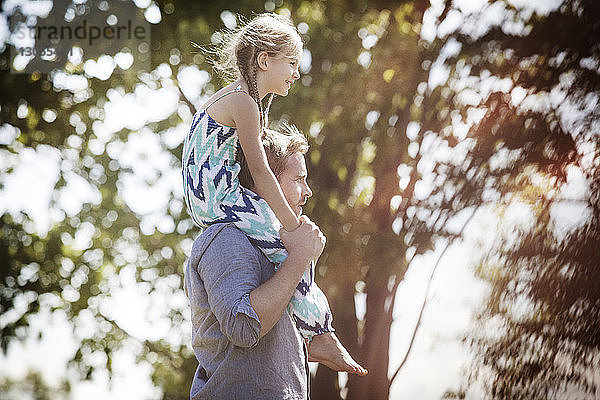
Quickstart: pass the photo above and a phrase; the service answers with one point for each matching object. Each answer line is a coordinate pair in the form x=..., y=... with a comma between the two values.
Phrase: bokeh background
x=455, y=164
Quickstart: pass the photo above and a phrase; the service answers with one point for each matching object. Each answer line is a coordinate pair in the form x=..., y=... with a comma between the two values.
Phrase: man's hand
x=305, y=243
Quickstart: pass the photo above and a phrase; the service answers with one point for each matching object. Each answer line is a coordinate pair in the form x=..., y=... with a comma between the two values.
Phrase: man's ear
x=262, y=60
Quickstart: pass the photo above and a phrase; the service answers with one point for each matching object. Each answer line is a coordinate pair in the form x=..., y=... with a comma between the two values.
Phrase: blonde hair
x=279, y=146
x=237, y=57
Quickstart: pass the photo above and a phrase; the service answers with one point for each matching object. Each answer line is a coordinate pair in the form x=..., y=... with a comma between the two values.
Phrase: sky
x=438, y=357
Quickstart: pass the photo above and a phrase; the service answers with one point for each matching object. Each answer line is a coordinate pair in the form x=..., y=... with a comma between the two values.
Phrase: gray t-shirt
x=234, y=363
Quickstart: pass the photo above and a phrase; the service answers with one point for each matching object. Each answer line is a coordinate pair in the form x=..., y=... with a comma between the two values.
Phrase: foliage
x=34, y=385
x=538, y=335
x=550, y=351
x=397, y=156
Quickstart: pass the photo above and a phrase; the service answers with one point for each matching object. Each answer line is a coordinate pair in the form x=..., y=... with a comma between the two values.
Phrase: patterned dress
x=213, y=194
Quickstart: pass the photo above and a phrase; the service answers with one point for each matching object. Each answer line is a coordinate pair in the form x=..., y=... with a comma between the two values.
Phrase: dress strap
x=237, y=89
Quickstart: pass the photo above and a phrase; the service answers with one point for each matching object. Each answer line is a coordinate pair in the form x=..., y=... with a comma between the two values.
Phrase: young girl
x=264, y=55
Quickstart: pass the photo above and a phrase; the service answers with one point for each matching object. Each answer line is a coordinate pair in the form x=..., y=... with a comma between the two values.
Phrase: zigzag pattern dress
x=213, y=194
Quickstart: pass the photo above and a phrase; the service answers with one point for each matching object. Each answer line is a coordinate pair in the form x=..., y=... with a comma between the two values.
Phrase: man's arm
x=270, y=299
x=227, y=269
x=230, y=273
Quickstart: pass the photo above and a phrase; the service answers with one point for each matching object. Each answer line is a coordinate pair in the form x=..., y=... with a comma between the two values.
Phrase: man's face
x=293, y=182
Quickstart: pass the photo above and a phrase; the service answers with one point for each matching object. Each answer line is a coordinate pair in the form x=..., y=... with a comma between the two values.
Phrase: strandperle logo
x=86, y=32
x=70, y=32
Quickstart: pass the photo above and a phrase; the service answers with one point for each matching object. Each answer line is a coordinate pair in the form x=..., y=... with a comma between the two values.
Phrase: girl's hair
x=237, y=57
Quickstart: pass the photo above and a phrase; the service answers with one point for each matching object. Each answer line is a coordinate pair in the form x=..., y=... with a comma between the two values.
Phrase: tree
x=74, y=265
x=549, y=350
x=347, y=164
x=490, y=151
x=544, y=304
x=35, y=386
x=374, y=115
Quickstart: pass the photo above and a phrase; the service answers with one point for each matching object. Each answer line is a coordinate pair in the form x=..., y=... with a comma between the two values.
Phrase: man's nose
x=296, y=74
x=307, y=192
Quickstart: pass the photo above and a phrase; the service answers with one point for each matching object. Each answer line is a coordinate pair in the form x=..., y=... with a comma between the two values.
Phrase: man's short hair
x=279, y=145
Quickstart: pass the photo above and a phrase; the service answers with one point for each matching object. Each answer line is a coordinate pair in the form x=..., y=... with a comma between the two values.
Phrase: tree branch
x=418, y=324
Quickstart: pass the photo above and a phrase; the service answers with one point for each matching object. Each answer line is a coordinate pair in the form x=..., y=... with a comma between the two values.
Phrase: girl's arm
x=247, y=123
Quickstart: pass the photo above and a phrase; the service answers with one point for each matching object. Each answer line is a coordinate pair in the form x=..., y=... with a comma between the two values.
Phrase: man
x=246, y=344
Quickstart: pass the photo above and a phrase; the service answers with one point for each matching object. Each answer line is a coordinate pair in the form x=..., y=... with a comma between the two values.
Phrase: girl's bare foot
x=327, y=349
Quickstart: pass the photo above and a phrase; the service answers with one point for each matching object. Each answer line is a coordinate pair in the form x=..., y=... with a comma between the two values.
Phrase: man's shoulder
x=228, y=228
x=220, y=234
x=224, y=230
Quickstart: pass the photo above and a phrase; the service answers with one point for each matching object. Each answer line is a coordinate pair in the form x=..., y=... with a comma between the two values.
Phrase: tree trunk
x=324, y=386
x=375, y=349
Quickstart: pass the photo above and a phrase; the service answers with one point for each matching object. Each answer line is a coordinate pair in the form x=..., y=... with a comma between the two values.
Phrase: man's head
x=279, y=146
x=285, y=153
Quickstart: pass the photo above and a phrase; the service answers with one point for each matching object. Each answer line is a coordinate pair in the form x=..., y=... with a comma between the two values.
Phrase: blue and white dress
x=213, y=194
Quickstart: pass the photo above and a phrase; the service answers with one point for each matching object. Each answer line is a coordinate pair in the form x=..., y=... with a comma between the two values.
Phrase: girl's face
x=280, y=72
